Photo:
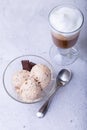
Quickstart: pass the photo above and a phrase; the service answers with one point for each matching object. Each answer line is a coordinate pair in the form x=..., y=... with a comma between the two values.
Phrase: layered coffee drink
x=65, y=23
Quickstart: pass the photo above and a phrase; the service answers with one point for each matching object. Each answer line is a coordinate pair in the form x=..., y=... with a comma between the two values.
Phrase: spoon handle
x=42, y=111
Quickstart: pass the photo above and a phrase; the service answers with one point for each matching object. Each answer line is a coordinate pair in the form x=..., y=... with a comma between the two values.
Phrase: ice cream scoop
x=19, y=77
x=42, y=74
x=30, y=90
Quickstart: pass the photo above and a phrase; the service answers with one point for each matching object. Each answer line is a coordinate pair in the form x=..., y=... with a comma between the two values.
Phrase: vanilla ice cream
x=19, y=78
x=29, y=85
x=42, y=74
x=30, y=90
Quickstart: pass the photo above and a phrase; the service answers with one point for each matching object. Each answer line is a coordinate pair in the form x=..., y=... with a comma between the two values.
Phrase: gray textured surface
x=24, y=30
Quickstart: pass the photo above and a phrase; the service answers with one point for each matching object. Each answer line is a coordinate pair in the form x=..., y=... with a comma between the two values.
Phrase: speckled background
x=24, y=29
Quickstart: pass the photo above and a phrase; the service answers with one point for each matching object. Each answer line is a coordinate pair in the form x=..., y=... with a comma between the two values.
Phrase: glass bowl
x=15, y=65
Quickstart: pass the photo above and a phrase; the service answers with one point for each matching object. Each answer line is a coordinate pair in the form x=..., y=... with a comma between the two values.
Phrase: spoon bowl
x=63, y=77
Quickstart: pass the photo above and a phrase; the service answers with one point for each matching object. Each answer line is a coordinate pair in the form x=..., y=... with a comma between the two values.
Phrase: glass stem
x=64, y=51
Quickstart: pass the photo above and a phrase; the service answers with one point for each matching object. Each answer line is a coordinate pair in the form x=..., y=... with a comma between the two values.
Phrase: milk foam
x=66, y=19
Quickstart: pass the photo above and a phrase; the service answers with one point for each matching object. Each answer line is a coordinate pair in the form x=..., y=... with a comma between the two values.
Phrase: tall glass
x=65, y=22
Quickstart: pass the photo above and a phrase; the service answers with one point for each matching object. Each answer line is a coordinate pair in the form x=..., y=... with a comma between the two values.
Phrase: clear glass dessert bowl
x=15, y=66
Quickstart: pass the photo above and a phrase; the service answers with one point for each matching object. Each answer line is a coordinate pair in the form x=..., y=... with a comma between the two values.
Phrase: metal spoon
x=62, y=79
